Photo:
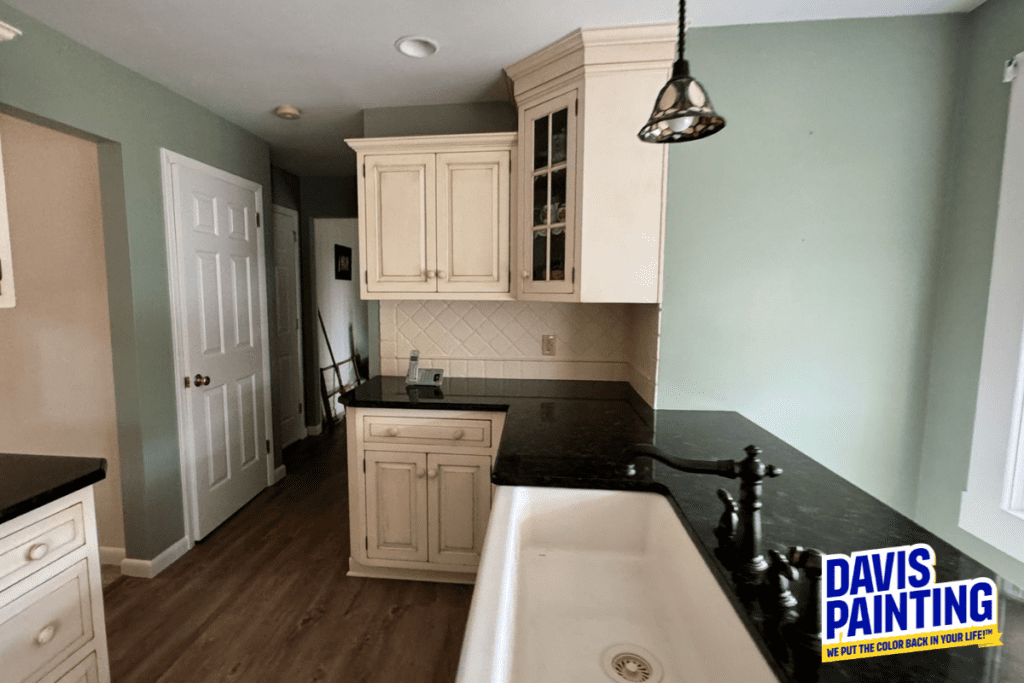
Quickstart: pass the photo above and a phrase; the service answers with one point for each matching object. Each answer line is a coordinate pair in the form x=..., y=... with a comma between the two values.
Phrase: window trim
x=992, y=507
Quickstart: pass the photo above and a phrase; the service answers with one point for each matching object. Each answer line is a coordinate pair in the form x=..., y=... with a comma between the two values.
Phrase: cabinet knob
x=430, y=274
x=38, y=551
x=46, y=635
x=419, y=473
x=458, y=434
x=392, y=431
x=432, y=473
x=526, y=275
x=441, y=274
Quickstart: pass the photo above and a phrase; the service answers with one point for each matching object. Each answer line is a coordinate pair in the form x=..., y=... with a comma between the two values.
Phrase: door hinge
x=366, y=276
x=577, y=107
x=364, y=170
x=574, y=276
x=268, y=445
x=367, y=542
x=364, y=466
x=188, y=382
x=257, y=220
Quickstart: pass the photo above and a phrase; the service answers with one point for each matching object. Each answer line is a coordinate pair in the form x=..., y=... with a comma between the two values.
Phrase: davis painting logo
x=885, y=602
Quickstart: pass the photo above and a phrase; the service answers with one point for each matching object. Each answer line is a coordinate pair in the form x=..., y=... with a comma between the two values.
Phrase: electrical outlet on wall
x=547, y=344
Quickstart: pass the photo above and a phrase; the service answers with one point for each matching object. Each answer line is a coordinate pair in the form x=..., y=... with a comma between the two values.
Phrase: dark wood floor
x=265, y=598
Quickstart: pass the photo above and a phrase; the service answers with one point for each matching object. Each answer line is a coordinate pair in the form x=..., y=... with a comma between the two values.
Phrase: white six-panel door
x=286, y=328
x=222, y=325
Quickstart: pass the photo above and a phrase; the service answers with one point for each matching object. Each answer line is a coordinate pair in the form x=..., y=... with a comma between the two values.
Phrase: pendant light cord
x=681, y=68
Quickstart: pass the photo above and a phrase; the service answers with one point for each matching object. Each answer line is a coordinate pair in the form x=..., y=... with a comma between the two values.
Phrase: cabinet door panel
x=460, y=502
x=472, y=221
x=400, y=223
x=548, y=203
x=396, y=506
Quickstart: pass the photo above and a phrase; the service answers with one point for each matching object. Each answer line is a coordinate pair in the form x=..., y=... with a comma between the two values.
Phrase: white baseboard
x=280, y=473
x=147, y=569
x=315, y=430
x=111, y=555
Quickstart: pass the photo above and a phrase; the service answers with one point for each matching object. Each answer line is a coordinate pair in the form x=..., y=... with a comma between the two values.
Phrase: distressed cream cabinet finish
x=434, y=216
x=419, y=491
x=6, y=267
x=615, y=205
x=52, y=627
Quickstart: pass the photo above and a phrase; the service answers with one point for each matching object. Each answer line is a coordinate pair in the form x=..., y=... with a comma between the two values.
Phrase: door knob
x=201, y=381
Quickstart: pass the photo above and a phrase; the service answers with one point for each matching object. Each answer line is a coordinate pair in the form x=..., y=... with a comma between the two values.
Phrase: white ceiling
x=334, y=58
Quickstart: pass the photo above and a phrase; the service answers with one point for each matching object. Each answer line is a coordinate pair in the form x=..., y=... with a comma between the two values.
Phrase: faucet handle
x=727, y=523
x=808, y=559
x=773, y=471
x=777, y=578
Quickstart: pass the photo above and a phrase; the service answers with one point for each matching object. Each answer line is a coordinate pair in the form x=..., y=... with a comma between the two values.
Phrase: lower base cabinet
x=420, y=513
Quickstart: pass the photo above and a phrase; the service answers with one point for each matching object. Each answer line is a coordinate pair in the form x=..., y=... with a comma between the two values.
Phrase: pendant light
x=683, y=110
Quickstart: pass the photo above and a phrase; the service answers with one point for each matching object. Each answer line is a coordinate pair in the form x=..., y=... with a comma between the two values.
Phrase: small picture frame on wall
x=342, y=262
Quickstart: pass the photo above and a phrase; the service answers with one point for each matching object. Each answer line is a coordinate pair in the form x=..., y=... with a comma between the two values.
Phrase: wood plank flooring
x=265, y=598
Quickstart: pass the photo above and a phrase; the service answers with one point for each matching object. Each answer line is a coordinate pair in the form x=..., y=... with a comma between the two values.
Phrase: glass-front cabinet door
x=548, y=218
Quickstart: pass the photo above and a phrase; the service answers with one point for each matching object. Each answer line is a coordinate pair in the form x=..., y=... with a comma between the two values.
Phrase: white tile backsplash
x=502, y=339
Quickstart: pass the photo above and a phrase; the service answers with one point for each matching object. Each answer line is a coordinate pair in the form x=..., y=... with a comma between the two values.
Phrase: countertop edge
x=54, y=493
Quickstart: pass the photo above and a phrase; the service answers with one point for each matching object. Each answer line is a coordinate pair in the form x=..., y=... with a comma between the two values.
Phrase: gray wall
x=47, y=74
x=994, y=33
x=801, y=241
x=440, y=119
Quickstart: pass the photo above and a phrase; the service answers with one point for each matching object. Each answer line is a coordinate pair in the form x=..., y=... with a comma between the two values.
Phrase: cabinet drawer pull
x=47, y=634
x=458, y=434
x=432, y=473
x=419, y=472
x=392, y=431
x=38, y=551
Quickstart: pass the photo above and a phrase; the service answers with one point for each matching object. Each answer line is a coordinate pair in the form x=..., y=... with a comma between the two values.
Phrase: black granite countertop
x=31, y=481
x=572, y=434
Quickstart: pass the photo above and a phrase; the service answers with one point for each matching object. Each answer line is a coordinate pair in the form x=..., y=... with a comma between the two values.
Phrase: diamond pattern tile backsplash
x=503, y=339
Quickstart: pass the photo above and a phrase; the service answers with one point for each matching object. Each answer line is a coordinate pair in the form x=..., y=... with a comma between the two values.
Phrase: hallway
x=265, y=598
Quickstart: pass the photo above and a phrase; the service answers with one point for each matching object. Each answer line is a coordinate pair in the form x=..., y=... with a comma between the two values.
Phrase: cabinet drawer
x=86, y=671
x=427, y=432
x=43, y=627
x=35, y=546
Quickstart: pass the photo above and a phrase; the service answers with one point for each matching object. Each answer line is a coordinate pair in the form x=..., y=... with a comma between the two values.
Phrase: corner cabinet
x=434, y=216
x=591, y=195
x=419, y=492
x=6, y=267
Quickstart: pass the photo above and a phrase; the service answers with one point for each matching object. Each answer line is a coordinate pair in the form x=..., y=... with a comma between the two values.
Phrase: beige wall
x=56, y=371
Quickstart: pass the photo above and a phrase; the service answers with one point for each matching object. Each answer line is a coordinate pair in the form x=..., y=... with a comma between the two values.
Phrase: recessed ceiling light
x=287, y=111
x=416, y=46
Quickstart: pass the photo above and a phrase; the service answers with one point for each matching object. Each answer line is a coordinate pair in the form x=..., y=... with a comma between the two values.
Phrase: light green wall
x=47, y=74
x=801, y=240
x=439, y=119
x=994, y=33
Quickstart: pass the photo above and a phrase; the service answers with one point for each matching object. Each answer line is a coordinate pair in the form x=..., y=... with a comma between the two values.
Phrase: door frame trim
x=172, y=239
x=298, y=309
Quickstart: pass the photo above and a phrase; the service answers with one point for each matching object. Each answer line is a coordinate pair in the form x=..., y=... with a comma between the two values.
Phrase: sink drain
x=631, y=664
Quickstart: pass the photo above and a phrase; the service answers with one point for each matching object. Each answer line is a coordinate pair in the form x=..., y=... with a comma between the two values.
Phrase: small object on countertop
x=429, y=377
x=412, y=375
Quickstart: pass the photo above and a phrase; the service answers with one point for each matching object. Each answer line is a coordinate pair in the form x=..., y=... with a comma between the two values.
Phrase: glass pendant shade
x=683, y=111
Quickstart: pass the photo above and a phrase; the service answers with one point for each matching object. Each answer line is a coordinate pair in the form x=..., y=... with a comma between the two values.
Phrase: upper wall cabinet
x=6, y=268
x=434, y=216
x=591, y=196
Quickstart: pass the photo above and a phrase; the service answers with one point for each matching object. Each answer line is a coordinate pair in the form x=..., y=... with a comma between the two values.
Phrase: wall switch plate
x=547, y=344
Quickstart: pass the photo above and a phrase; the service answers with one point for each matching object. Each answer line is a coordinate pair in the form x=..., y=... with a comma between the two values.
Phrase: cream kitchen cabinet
x=420, y=492
x=52, y=626
x=591, y=195
x=6, y=267
x=434, y=216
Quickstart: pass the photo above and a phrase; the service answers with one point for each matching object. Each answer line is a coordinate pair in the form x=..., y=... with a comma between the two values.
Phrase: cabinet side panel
x=623, y=195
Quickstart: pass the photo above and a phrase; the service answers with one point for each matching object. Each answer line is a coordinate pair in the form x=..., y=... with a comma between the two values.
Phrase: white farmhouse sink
x=570, y=579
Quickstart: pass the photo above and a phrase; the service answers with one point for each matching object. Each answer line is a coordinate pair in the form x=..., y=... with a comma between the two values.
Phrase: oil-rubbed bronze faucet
x=751, y=471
